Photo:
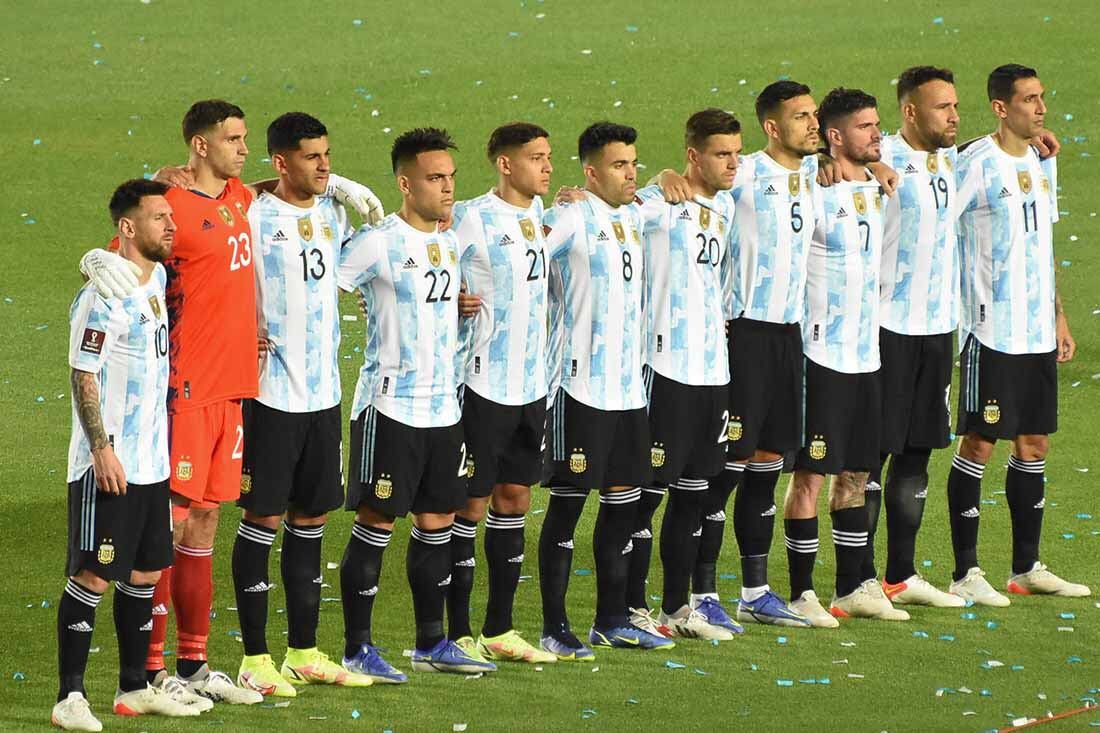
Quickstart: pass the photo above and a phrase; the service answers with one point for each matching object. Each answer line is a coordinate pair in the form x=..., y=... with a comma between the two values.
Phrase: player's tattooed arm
x=1065, y=345
x=109, y=475
x=846, y=491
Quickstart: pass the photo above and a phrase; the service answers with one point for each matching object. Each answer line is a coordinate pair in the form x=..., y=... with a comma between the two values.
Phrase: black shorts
x=916, y=390
x=396, y=468
x=1005, y=395
x=687, y=428
x=113, y=535
x=504, y=442
x=842, y=421
x=596, y=449
x=292, y=460
x=765, y=387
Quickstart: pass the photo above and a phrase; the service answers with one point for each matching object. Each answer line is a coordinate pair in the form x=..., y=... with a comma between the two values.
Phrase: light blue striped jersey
x=771, y=237
x=409, y=281
x=919, y=285
x=1008, y=206
x=688, y=275
x=124, y=342
x=501, y=251
x=297, y=301
x=840, y=326
x=597, y=285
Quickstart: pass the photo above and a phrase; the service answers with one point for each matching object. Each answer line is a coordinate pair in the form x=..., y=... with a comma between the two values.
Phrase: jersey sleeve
x=651, y=205
x=727, y=264
x=92, y=331
x=559, y=227
x=1050, y=170
x=969, y=184
x=358, y=261
x=467, y=230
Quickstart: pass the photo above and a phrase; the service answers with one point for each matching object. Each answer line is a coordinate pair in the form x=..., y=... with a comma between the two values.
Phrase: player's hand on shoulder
x=886, y=176
x=829, y=172
x=1046, y=144
x=674, y=187
x=113, y=276
x=180, y=176
x=569, y=195
x=109, y=474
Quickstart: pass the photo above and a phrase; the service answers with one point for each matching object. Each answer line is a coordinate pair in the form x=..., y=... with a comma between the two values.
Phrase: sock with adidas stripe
x=75, y=623
x=251, y=552
x=681, y=528
x=359, y=572
x=504, y=539
x=754, y=520
x=642, y=540
x=850, y=543
x=964, y=493
x=1026, y=495
x=704, y=578
x=800, y=536
x=556, y=553
x=428, y=567
x=872, y=507
x=301, y=572
x=463, y=561
x=611, y=546
x=133, y=622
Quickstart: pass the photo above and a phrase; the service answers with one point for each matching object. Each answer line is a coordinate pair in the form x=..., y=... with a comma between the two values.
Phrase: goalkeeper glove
x=357, y=196
x=112, y=275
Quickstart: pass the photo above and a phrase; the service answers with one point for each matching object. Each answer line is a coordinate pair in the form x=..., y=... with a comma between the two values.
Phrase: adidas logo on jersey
x=160, y=610
x=971, y=513
x=373, y=590
x=147, y=626
x=841, y=213
x=770, y=191
x=261, y=587
x=410, y=264
x=467, y=563
x=445, y=582
x=505, y=240
x=206, y=224
x=685, y=215
x=1005, y=193
x=143, y=319
x=517, y=559
x=601, y=237
x=279, y=236
x=567, y=545
x=910, y=168
x=82, y=626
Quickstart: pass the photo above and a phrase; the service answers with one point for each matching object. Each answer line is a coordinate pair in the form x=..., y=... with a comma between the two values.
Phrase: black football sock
x=904, y=495
x=463, y=537
x=850, y=543
x=556, y=554
x=872, y=505
x=504, y=539
x=642, y=540
x=133, y=622
x=754, y=520
x=681, y=528
x=359, y=573
x=251, y=552
x=75, y=623
x=428, y=566
x=301, y=569
x=1025, y=492
x=964, y=492
x=800, y=536
x=704, y=578
x=611, y=547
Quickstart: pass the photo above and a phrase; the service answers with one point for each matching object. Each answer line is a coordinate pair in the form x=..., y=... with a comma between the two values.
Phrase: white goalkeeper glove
x=113, y=276
x=357, y=196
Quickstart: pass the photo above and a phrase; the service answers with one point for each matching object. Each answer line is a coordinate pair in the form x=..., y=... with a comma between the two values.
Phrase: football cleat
x=447, y=656
x=1040, y=581
x=313, y=667
x=565, y=646
x=74, y=713
x=218, y=687
x=974, y=587
x=864, y=602
x=151, y=701
x=643, y=619
x=809, y=607
x=716, y=615
x=690, y=623
x=258, y=673
x=174, y=688
x=511, y=647
x=628, y=637
x=368, y=661
x=769, y=609
x=917, y=591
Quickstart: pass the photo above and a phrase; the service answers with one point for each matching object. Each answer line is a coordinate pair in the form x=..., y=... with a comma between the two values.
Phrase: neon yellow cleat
x=258, y=673
x=313, y=667
x=511, y=647
x=471, y=649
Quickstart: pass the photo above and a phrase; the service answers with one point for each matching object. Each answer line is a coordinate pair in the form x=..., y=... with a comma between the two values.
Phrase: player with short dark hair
x=119, y=524
x=1012, y=332
x=407, y=447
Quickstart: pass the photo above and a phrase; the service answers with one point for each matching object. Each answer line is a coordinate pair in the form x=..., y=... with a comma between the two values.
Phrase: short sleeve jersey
x=688, y=274
x=1007, y=209
x=597, y=286
x=841, y=323
x=920, y=257
x=124, y=342
x=409, y=281
x=503, y=260
x=211, y=298
x=297, y=305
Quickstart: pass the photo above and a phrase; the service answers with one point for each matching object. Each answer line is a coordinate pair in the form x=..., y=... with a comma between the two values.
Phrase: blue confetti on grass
x=19, y=676
x=947, y=637
x=355, y=714
x=785, y=683
x=632, y=29
x=674, y=665
x=920, y=634
x=938, y=20
x=357, y=22
x=1074, y=660
x=582, y=571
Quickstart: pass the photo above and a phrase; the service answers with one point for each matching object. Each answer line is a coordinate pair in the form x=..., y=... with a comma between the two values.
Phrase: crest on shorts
x=1025, y=181
x=246, y=483
x=818, y=449
x=794, y=184
x=933, y=163
x=106, y=553
x=528, y=228
x=578, y=463
x=433, y=254
x=861, y=202
x=704, y=217
x=383, y=487
x=226, y=215
x=184, y=470
x=470, y=466
x=734, y=429
x=992, y=412
x=620, y=233
x=657, y=455
x=154, y=303
x=305, y=228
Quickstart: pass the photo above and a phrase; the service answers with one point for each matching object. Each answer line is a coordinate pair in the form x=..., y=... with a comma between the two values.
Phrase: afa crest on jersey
x=933, y=163
x=383, y=487
x=861, y=202
x=794, y=184
x=992, y=412
x=528, y=228
x=1024, y=179
x=226, y=215
x=818, y=448
x=657, y=455
x=154, y=303
x=578, y=462
x=305, y=228
x=620, y=233
x=106, y=553
x=704, y=217
x=433, y=254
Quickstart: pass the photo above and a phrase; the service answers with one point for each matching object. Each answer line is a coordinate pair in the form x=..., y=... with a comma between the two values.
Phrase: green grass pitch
x=92, y=93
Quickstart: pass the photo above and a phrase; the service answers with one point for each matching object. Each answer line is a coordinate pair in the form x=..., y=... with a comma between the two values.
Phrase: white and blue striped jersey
x=597, y=285
x=409, y=281
x=919, y=284
x=688, y=275
x=124, y=342
x=1007, y=208
x=297, y=301
x=841, y=322
x=503, y=260
x=771, y=237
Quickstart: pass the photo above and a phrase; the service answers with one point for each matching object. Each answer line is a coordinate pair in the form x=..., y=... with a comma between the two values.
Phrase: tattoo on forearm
x=86, y=394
